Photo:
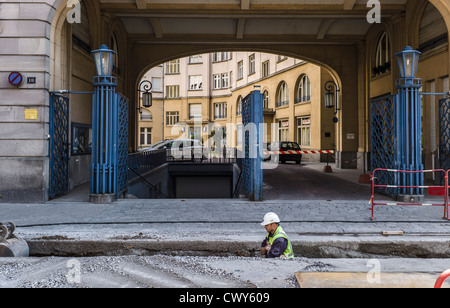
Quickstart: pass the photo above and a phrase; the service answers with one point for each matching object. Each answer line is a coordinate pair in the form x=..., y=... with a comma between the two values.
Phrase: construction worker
x=276, y=244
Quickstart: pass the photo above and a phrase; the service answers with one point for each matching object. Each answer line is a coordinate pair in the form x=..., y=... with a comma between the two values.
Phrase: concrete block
x=23, y=130
x=23, y=148
x=24, y=97
x=22, y=179
x=24, y=46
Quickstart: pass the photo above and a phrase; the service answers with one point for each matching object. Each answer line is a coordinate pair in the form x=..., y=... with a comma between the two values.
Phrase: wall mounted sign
x=31, y=114
x=15, y=79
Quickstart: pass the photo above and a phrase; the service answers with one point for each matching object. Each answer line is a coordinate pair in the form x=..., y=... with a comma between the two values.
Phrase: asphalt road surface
x=299, y=182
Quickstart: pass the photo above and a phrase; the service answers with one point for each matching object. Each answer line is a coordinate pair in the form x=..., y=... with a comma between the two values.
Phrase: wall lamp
x=331, y=97
x=144, y=89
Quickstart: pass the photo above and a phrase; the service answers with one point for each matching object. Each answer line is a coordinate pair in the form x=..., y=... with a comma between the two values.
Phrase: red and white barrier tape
x=297, y=152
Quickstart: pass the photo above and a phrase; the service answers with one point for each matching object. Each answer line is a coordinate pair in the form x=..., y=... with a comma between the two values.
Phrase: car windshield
x=290, y=146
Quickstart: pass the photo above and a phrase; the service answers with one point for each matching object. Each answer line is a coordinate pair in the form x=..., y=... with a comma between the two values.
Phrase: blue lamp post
x=409, y=134
x=103, y=168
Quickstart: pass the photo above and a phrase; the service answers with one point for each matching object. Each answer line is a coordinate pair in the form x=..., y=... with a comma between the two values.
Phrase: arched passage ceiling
x=305, y=21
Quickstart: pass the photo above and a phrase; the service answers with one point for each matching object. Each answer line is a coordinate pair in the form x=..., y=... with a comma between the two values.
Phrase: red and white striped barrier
x=297, y=152
x=441, y=190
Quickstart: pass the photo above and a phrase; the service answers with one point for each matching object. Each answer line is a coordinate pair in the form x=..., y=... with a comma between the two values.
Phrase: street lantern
x=104, y=60
x=145, y=87
x=330, y=95
x=408, y=62
x=331, y=98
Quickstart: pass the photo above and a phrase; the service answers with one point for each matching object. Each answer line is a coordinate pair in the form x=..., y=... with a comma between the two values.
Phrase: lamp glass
x=408, y=62
x=401, y=65
x=147, y=99
x=409, y=65
x=104, y=58
x=329, y=99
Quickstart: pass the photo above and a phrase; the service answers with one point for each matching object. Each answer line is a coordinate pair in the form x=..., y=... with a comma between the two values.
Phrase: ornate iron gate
x=384, y=113
x=122, y=144
x=444, y=133
x=252, y=118
x=58, y=145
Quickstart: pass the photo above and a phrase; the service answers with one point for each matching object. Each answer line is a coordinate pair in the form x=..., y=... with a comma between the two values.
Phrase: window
x=195, y=111
x=282, y=95
x=195, y=82
x=217, y=82
x=252, y=64
x=240, y=70
x=146, y=135
x=196, y=59
x=266, y=69
x=221, y=56
x=221, y=81
x=156, y=84
x=81, y=139
x=115, y=47
x=266, y=100
x=304, y=131
x=303, y=90
x=225, y=81
x=383, y=56
x=146, y=115
x=173, y=67
x=172, y=118
x=239, y=106
x=220, y=111
x=172, y=91
x=281, y=58
x=283, y=130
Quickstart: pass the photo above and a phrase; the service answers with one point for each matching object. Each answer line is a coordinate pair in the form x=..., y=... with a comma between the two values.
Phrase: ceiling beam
x=157, y=27
x=245, y=4
x=141, y=4
x=240, y=28
x=349, y=4
x=324, y=27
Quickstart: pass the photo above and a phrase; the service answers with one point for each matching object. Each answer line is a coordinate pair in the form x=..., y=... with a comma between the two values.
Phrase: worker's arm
x=264, y=245
x=278, y=247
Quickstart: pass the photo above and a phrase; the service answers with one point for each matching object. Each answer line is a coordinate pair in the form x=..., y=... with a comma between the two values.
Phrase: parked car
x=153, y=146
x=180, y=149
x=285, y=146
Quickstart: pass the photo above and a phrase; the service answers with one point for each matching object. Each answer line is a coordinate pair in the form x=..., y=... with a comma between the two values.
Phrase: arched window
x=282, y=95
x=81, y=31
x=303, y=90
x=382, y=56
x=266, y=99
x=433, y=30
x=146, y=115
x=239, y=106
x=115, y=47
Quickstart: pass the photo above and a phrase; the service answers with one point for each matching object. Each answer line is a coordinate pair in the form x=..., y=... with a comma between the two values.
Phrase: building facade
x=207, y=91
x=50, y=44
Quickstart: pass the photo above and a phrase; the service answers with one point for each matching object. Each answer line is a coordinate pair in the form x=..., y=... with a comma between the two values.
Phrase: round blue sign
x=15, y=79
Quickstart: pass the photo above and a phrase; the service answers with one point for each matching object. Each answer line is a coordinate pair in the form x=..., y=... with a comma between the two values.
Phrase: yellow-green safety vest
x=279, y=232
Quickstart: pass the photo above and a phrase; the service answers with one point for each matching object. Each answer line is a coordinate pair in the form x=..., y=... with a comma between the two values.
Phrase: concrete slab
x=367, y=280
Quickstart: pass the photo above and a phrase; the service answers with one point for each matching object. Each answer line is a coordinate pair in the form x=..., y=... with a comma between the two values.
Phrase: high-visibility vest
x=279, y=232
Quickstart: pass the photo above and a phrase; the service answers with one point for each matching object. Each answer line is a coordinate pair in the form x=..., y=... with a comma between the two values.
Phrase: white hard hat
x=270, y=218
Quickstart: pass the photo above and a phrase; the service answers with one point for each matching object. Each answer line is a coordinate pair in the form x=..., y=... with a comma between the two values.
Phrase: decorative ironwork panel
x=58, y=145
x=246, y=166
x=444, y=134
x=384, y=141
x=122, y=145
x=252, y=118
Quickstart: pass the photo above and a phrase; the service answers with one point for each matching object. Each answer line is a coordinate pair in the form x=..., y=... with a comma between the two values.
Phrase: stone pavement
x=316, y=228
